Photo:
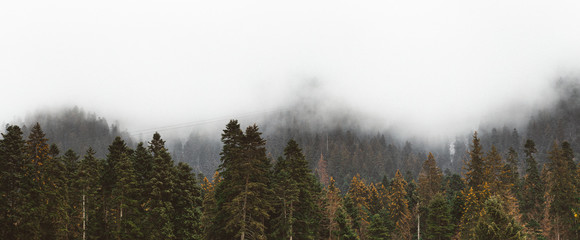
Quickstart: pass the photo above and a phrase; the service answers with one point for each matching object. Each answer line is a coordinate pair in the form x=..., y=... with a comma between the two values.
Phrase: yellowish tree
x=399, y=208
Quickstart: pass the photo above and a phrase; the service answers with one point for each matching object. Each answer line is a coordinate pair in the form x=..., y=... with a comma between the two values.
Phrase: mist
x=419, y=68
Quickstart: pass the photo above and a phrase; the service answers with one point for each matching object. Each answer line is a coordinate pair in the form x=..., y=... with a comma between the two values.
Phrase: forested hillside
x=305, y=177
x=338, y=139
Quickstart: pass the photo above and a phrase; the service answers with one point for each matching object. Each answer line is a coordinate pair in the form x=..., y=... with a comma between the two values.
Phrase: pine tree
x=510, y=174
x=73, y=197
x=57, y=199
x=285, y=202
x=89, y=174
x=347, y=219
x=359, y=193
x=399, y=209
x=532, y=203
x=37, y=168
x=497, y=224
x=430, y=183
x=380, y=226
x=162, y=184
x=439, y=222
x=126, y=207
x=493, y=165
x=561, y=191
x=209, y=205
x=322, y=171
x=308, y=190
x=118, y=151
x=242, y=195
x=471, y=213
x=143, y=165
x=332, y=202
x=475, y=167
x=430, y=179
x=13, y=185
x=187, y=204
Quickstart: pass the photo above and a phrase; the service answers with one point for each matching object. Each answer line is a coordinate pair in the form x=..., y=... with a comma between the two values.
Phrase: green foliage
x=497, y=224
x=475, y=167
x=243, y=194
x=532, y=202
x=439, y=219
x=381, y=226
x=187, y=204
x=12, y=182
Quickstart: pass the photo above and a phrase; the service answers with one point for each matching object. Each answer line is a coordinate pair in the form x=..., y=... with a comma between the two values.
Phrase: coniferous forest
x=294, y=185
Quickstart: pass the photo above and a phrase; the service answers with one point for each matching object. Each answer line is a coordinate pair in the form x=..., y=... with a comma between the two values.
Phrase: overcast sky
x=435, y=65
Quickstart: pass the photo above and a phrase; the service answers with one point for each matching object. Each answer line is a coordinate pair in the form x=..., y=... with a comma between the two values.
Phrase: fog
x=421, y=67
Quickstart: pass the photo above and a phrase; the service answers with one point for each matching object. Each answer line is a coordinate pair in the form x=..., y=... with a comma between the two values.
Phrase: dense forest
x=141, y=193
x=71, y=175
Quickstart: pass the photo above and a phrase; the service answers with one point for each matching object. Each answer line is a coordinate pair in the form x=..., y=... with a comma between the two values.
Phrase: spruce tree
x=475, y=167
x=510, y=174
x=38, y=154
x=162, y=184
x=13, y=185
x=497, y=224
x=561, y=191
x=187, y=204
x=285, y=202
x=90, y=170
x=209, y=204
x=307, y=212
x=74, y=209
x=118, y=151
x=439, y=219
x=242, y=195
x=381, y=226
x=470, y=216
x=399, y=209
x=430, y=179
x=532, y=203
x=332, y=203
x=359, y=194
x=125, y=211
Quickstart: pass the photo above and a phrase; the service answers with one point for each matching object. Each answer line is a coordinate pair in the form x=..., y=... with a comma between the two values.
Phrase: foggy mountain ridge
x=350, y=141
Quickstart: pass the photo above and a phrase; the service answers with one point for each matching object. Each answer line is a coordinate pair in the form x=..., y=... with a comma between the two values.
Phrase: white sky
x=433, y=65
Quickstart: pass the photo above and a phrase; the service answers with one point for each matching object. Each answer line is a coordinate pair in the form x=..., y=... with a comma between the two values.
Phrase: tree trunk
x=291, y=211
x=418, y=226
